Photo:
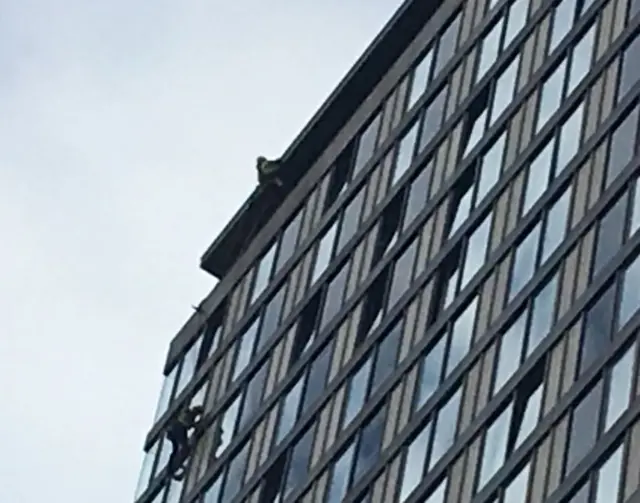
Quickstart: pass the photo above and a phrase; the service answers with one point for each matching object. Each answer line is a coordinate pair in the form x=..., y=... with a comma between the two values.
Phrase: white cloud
x=128, y=132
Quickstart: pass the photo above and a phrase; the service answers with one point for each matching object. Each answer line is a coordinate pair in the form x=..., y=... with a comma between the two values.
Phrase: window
x=516, y=491
x=415, y=461
x=146, y=471
x=539, y=177
x=430, y=374
x=402, y=273
x=387, y=356
x=490, y=49
x=635, y=211
x=289, y=240
x=335, y=295
x=630, y=296
x=610, y=234
x=609, y=477
x=418, y=196
x=562, y=22
x=289, y=410
x=189, y=364
x=620, y=387
x=510, y=353
x=517, y=20
x=369, y=444
x=556, y=225
x=271, y=317
x=542, y=314
x=212, y=495
x=340, y=174
x=475, y=122
x=445, y=429
x=263, y=274
x=447, y=44
x=623, y=146
x=584, y=427
x=228, y=423
x=461, y=335
x=432, y=118
x=325, y=251
x=505, y=89
x=351, y=219
x=551, y=95
x=597, y=328
x=357, y=391
x=253, y=395
x=166, y=394
x=630, y=73
x=367, y=144
x=462, y=201
x=406, y=149
x=490, y=167
x=569, y=140
x=495, y=447
x=421, y=77
x=339, y=482
x=476, y=250
x=245, y=344
x=299, y=462
x=317, y=377
x=524, y=262
x=581, y=59
x=235, y=474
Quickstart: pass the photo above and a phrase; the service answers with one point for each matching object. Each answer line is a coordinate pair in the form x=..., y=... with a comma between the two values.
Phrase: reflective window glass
x=556, y=225
x=476, y=250
x=477, y=132
x=317, y=377
x=524, y=262
x=430, y=374
x=166, y=393
x=299, y=463
x=289, y=410
x=531, y=416
x=387, y=356
x=620, y=387
x=510, y=354
x=271, y=317
x=610, y=234
x=264, y=273
x=325, y=250
x=609, y=476
x=538, y=178
x=418, y=195
x=623, y=146
x=630, y=297
x=489, y=49
x=351, y=219
x=491, y=166
x=581, y=59
x=505, y=89
x=369, y=445
x=517, y=20
x=406, y=150
x=420, y=78
x=245, y=349
x=635, y=211
x=630, y=73
x=495, y=447
x=146, y=470
x=235, y=475
x=562, y=22
x=367, y=144
x=461, y=335
x=229, y=420
x=212, y=495
x=253, y=395
x=415, y=460
x=357, y=392
x=516, y=491
x=447, y=44
x=542, y=314
x=289, y=240
x=584, y=429
x=445, y=430
x=569, y=142
x=402, y=273
x=189, y=363
x=335, y=295
x=340, y=477
x=432, y=119
x=551, y=96
x=598, y=322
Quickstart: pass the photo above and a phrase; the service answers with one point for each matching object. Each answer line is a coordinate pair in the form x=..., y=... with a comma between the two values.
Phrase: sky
x=128, y=136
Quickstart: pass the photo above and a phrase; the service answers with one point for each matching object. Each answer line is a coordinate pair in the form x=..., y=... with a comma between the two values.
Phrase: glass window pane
x=516, y=491
x=462, y=210
x=289, y=411
x=495, y=447
x=264, y=273
x=609, y=476
x=635, y=211
x=531, y=416
x=630, y=73
x=448, y=44
x=357, y=392
x=299, y=463
x=476, y=251
x=489, y=49
x=517, y=20
x=420, y=78
x=245, y=349
x=351, y=219
x=271, y=317
x=438, y=494
x=432, y=120
x=620, y=387
x=505, y=89
x=402, y=274
x=556, y=228
x=584, y=429
x=551, y=96
x=289, y=240
x=461, y=336
x=569, y=143
x=610, y=234
x=538, y=177
x=325, y=250
x=430, y=374
x=418, y=196
x=406, y=151
x=630, y=297
x=581, y=59
x=166, y=393
x=188, y=365
x=477, y=132
x=415, y=462
x=542, y=314
x=562, y=22
x=318, y=376
x=445, y=430
x=597, y=328
x=369, y=445
x=367, y=144
x=253, y=396
x=510, y=352
x=146, y=470
x=387, y=356
x=491, y=167
x=235, y=475
x=340, y=477
x=623, y=146
x=334, y=295
x=229, y=419
x=212, y=495
x=524, y=263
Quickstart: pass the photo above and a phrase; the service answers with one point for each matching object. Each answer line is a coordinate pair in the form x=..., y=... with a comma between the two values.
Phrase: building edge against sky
x=443, y=307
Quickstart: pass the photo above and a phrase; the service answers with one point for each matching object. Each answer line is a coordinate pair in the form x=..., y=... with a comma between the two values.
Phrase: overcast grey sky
x=128, y=133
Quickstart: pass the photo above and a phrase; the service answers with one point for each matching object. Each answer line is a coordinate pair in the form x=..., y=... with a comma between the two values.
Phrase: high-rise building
x=439, y=304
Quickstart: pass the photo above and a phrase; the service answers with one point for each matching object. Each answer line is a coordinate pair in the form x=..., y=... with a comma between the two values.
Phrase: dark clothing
x=178, y=435
x=268, y=172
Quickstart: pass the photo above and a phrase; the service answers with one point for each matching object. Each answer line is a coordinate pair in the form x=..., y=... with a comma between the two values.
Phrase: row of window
x=181, y=382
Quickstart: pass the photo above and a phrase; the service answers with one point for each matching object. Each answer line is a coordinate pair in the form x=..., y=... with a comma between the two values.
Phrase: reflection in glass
x=461, y=336
x=430, y=373
x=551, y=96
x=510, y=352
x=524, y=263
x=340, y=477
x=495, y=447
x=630, y=297
x=538, y=177
x=445, y=430
x=620, y=387
x=609, y=479
x=584, y=429
x=415, y=462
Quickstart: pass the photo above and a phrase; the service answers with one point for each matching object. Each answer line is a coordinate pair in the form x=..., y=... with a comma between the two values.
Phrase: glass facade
x=450, y=314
